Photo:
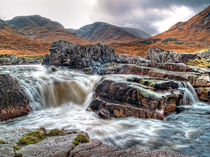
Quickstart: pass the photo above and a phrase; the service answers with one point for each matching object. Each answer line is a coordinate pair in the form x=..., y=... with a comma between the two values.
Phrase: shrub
x=169, y=39
x=179, y=43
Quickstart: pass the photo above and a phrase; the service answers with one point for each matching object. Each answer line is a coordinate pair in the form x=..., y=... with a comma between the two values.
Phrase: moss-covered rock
x=201, y=63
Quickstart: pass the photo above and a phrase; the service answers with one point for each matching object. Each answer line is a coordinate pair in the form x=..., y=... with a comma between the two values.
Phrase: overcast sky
x=152, y=16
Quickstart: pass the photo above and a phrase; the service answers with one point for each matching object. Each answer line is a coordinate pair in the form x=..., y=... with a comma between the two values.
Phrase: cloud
x=151, y=16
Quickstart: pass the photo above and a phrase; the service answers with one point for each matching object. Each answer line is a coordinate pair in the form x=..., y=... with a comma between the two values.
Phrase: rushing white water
x=60, y=99
x=190, y=96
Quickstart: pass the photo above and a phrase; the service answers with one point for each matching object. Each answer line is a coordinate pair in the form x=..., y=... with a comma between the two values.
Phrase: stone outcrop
x=135, y=96
x=157, y=55
x=142, y=98
x=13, y=100
x=10, y=59
x=77, y=56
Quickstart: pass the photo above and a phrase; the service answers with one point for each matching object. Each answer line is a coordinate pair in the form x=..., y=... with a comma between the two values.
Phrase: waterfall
x=51, y=89
x=190, y=96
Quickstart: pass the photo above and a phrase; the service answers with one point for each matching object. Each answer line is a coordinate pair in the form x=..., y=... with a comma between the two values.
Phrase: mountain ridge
x=43, y=29
x=107, y=33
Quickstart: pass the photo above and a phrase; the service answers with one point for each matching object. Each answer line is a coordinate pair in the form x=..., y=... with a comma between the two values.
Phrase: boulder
x=63, y=53
x=138, y=97
x=13, y=100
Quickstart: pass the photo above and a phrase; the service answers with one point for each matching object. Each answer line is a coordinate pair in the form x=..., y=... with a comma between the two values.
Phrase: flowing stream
x=59, y=99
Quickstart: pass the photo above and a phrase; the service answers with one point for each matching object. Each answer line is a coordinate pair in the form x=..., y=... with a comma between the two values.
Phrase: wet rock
x=13, y=100
x=196, y=79
x=97, y=149
x=137, y=97
x=107, y=110
x=203, y=93
x=6, y=150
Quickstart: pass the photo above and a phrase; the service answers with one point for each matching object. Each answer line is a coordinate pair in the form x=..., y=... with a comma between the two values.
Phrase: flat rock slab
x=97, y=149
x=6, y=150
x=11, y=134
x=49, y=146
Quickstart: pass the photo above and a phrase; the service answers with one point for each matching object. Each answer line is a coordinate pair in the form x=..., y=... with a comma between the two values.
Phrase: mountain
x=107, y=33
x=193, y=33
x=12, y=42
x=43, y=29
x=136, y=32
x=190, y=36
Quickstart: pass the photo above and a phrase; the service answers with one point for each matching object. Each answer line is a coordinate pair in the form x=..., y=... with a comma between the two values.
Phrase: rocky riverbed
x=127, y=105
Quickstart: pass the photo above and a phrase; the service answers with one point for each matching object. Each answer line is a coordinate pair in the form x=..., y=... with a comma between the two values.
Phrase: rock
x=196, y=79
x=12, y=134
x=6, y=150
x=157, y=55
x=49, y=146
x=13, y=100
x=97, y=149
x=137, y=97
x=203, y=93
x=10, y=59
x=77, y=56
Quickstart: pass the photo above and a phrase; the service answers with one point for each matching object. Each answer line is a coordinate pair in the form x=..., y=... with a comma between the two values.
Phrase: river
x=60, y=99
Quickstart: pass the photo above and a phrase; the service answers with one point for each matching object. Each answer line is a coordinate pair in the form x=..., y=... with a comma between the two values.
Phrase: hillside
x=136, y=32
x=12, y=42
x=192, y=35
x=43, y=29
x=106, y=33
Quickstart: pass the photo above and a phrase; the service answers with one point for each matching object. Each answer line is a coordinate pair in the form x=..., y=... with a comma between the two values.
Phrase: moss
x=200, y=63
x=81, y=138
x=55, y=132
x=16, y=148
x=32, y=137
x=3, y=142
x=37, y=136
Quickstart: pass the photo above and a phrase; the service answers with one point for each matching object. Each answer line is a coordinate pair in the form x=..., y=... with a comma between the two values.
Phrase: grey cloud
x=126, y=12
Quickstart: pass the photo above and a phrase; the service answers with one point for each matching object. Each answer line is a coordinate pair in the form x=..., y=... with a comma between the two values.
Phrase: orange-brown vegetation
x=14, y=43
x=141, y=49
x=189, y=36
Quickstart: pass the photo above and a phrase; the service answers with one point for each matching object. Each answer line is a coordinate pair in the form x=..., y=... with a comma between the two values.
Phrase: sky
x=151, y=16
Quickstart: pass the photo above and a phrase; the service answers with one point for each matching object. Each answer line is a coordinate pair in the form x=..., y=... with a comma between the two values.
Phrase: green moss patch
x=38, y=135
x=201, y=63
x=81, y=138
